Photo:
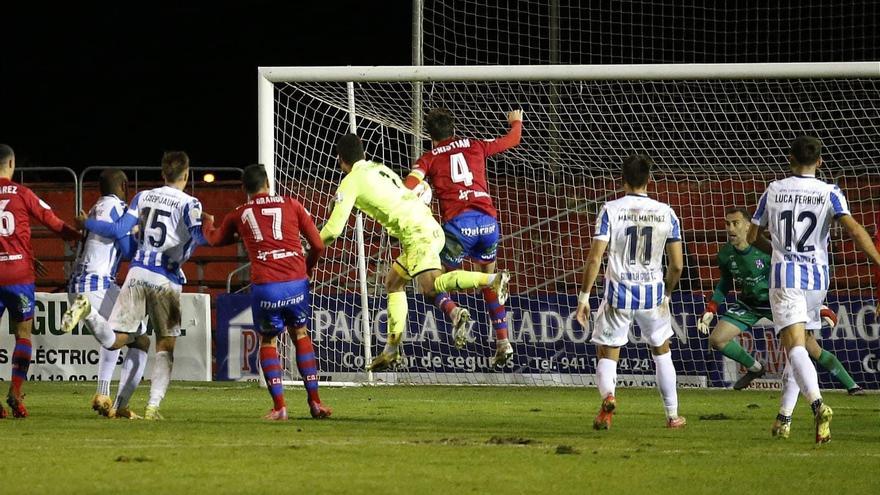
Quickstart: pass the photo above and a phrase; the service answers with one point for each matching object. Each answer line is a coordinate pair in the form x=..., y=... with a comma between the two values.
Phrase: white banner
x=60, y=357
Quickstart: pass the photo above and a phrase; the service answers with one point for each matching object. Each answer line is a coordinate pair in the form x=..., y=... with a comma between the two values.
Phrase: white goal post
x=716, y=131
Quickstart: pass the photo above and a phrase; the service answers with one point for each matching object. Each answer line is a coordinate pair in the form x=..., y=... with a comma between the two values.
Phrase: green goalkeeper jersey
x=377, y=191
x=749, y=270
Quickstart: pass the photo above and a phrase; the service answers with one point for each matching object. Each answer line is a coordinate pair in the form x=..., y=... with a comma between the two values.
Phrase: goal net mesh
x=512, y=32
x=716, y=145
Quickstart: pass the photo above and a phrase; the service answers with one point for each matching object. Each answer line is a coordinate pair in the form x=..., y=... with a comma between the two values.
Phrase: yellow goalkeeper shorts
x=420, y=252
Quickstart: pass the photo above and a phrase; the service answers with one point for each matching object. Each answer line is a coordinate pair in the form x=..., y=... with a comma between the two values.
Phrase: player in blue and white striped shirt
x=94, y=278
x=636, y=230
x=170, y=223
x=798, y=212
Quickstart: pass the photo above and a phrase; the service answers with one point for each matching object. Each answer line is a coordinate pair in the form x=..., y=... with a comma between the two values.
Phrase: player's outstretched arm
x=310, y=232
x=38, y=209
x=674, y=265
x=117, y=229
x=860, y=237
x=591, y=271
x=509, y=140
x=344, y=202
x=219, y=236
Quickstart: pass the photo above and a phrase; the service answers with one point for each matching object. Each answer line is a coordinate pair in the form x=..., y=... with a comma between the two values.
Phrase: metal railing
x=150, y=168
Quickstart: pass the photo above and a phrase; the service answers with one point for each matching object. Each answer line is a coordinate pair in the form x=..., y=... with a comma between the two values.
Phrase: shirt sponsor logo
x=275, y=254
x=10, y=257
x=282, y=303
x=475, y=231
x=463, y=195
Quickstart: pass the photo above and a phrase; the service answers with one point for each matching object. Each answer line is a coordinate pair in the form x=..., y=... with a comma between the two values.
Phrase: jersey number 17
x=248, y=217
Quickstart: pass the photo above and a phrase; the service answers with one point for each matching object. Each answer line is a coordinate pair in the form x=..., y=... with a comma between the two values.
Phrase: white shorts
x=792, y=306
x=146, y=293
x=102, y=300
x=612, y=325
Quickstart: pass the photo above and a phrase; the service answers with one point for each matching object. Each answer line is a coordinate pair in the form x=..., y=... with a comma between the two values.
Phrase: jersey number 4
x=459, y=170
x=248, y=217
x=7, y=220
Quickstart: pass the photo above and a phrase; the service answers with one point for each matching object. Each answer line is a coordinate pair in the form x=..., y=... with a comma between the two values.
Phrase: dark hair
x=254, y=178
x=174, y=165
x=440, y=124
x=637, y=170
x=6, y=153
x=112, y=180
x=806, y=150
x=350, y=148
x=738, y=209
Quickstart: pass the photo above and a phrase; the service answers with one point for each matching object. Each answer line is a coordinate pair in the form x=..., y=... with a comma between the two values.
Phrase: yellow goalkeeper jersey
x=379, y=192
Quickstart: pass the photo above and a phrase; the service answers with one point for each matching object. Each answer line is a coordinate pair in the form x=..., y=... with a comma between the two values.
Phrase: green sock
x=397, y=309
x=832, y=364
x=735, y=351
x=459, y=280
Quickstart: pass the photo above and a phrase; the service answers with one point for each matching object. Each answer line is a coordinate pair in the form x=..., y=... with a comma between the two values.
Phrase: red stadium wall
x=541, y=253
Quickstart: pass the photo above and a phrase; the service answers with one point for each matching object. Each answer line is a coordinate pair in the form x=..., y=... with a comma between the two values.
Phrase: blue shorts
x=280, y=304
x=19, y=300
x=471, y=234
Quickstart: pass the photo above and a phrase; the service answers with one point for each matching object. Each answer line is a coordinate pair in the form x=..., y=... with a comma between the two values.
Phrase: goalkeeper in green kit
x=749, y=269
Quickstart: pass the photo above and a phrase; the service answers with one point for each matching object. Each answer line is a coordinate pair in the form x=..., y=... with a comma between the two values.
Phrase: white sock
x=666, y=383
x=106, y=365
x=491, y=279
x=101, y=329
x=161, y=377
x=133, y=366
x=606, y=376
x=757, y=366
x=804, y=373
x=790, y=391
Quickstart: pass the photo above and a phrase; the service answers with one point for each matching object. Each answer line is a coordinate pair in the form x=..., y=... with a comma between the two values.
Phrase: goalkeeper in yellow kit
x=379, y=192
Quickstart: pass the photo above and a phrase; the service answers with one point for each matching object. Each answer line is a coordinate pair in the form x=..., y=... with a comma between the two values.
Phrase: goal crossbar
x=629, y=72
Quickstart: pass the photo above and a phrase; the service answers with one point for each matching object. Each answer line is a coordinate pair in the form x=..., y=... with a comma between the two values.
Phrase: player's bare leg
x=21, y=361
x=272, y=371
x=666, y=384
x=307, y=364
x=395, y=283
x=161, y=375
x=606, y=380
x=723, y=339
x=830, y=362
x=793, y=339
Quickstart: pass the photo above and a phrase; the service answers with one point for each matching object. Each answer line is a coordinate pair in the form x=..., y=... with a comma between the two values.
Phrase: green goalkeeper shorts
x=745, y=317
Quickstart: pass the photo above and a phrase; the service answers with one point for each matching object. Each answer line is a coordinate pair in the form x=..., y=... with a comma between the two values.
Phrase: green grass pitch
x=449, y=440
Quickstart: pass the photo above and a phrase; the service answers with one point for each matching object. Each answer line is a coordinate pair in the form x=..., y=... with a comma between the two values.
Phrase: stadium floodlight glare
x=718, y=134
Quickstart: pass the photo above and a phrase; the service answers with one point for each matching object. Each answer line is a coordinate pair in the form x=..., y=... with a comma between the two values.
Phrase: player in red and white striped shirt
x=17, y=205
